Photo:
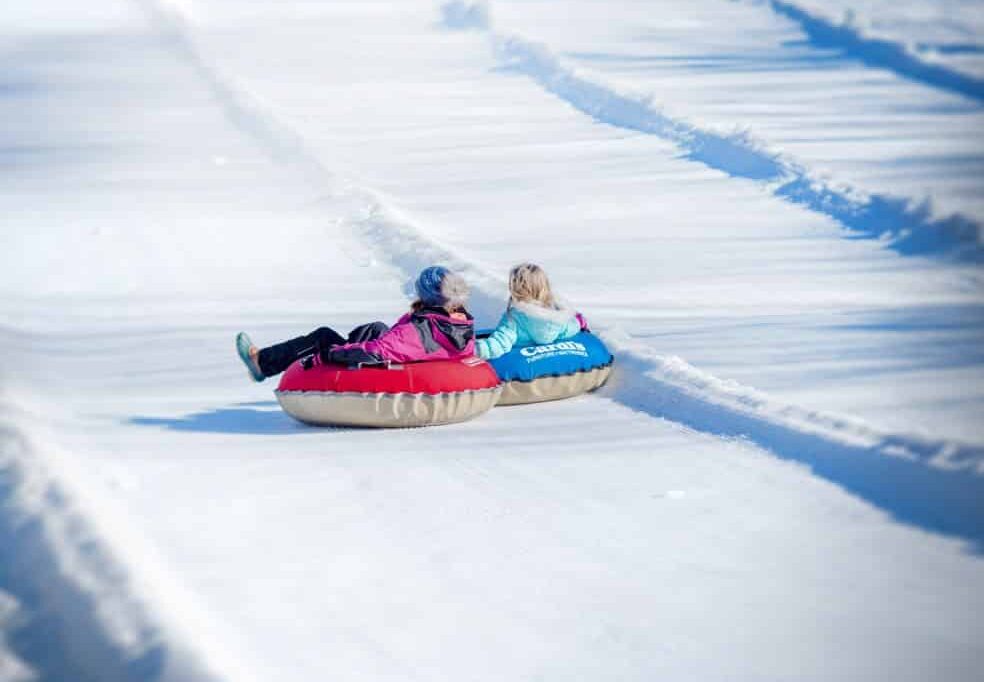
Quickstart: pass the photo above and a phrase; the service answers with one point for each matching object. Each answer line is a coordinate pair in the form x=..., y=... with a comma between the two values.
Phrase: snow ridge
x=77, y=623
x=279, y=141
x=934, y=483
x=906, y=226
x=372, y=217
x=879, y=51
x=930, y=482
x=95, y=604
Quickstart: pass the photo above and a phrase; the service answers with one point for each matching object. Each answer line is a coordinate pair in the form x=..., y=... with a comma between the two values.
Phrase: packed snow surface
x=769, y=210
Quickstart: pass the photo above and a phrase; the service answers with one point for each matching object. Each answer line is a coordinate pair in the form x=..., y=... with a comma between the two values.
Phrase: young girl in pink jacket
x=437, y=328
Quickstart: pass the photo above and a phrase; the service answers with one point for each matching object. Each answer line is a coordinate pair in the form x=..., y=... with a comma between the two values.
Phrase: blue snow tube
x=553, y=371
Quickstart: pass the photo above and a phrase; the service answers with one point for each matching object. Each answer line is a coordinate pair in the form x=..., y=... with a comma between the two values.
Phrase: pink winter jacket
x=429, y=334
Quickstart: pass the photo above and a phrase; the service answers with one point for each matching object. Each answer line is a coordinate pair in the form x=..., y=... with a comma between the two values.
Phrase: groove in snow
x=906, y=226
x=882, y=52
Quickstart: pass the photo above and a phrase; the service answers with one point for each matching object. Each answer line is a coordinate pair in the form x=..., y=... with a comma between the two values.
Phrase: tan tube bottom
x=386, y=410
x=553, y=388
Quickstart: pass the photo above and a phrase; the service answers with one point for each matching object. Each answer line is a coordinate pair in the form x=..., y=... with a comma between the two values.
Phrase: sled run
x=779, y=238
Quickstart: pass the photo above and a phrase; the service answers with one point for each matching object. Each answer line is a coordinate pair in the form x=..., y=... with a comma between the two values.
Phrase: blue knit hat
x=428, y=285
x=438, y=286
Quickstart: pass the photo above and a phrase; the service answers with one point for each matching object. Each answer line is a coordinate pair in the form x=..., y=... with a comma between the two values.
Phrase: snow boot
x=243, y=344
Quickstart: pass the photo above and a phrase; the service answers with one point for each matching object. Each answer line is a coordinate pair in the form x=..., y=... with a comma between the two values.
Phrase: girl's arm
x=500, y=341
x=574, y=326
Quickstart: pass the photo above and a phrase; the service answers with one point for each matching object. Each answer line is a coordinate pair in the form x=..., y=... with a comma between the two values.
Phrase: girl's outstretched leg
x=367, y=332
x=278, y=357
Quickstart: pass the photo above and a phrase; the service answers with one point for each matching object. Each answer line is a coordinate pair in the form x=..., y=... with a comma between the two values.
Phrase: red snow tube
x=412, y=394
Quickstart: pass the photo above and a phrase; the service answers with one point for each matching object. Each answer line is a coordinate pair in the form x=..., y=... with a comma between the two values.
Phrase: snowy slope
x=173, y=187
x=494, y=183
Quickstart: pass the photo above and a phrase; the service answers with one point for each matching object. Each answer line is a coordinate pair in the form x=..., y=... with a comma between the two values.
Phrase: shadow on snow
x=243, y=418
x=885, y=54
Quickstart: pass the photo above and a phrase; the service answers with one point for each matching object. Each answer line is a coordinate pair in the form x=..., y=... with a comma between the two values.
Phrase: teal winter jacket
x=526, y=324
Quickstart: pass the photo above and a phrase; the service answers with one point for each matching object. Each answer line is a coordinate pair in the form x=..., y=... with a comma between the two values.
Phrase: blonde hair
x=528, y=282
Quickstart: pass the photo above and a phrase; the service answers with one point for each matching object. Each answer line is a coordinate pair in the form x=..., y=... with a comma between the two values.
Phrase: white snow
x=784, y=479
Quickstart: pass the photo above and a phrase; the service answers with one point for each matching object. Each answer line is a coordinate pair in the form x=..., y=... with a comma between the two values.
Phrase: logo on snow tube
x=581, y=353
x=534, y=353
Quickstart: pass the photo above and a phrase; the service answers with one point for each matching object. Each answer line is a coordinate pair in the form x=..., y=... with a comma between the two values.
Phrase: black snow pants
x=278, y=357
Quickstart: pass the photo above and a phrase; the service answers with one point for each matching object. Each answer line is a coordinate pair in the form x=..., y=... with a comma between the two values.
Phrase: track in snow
x=907, y=227
x=880, y=52
x=936, y=484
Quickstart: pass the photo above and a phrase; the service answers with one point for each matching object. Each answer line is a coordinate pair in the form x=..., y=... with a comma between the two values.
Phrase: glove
x=310, y=361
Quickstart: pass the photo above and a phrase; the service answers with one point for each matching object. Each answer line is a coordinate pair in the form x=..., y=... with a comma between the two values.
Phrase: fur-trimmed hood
x=558, y=315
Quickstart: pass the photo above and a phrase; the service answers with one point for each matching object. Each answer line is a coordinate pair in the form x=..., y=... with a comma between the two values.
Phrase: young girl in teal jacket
x=533, y=316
